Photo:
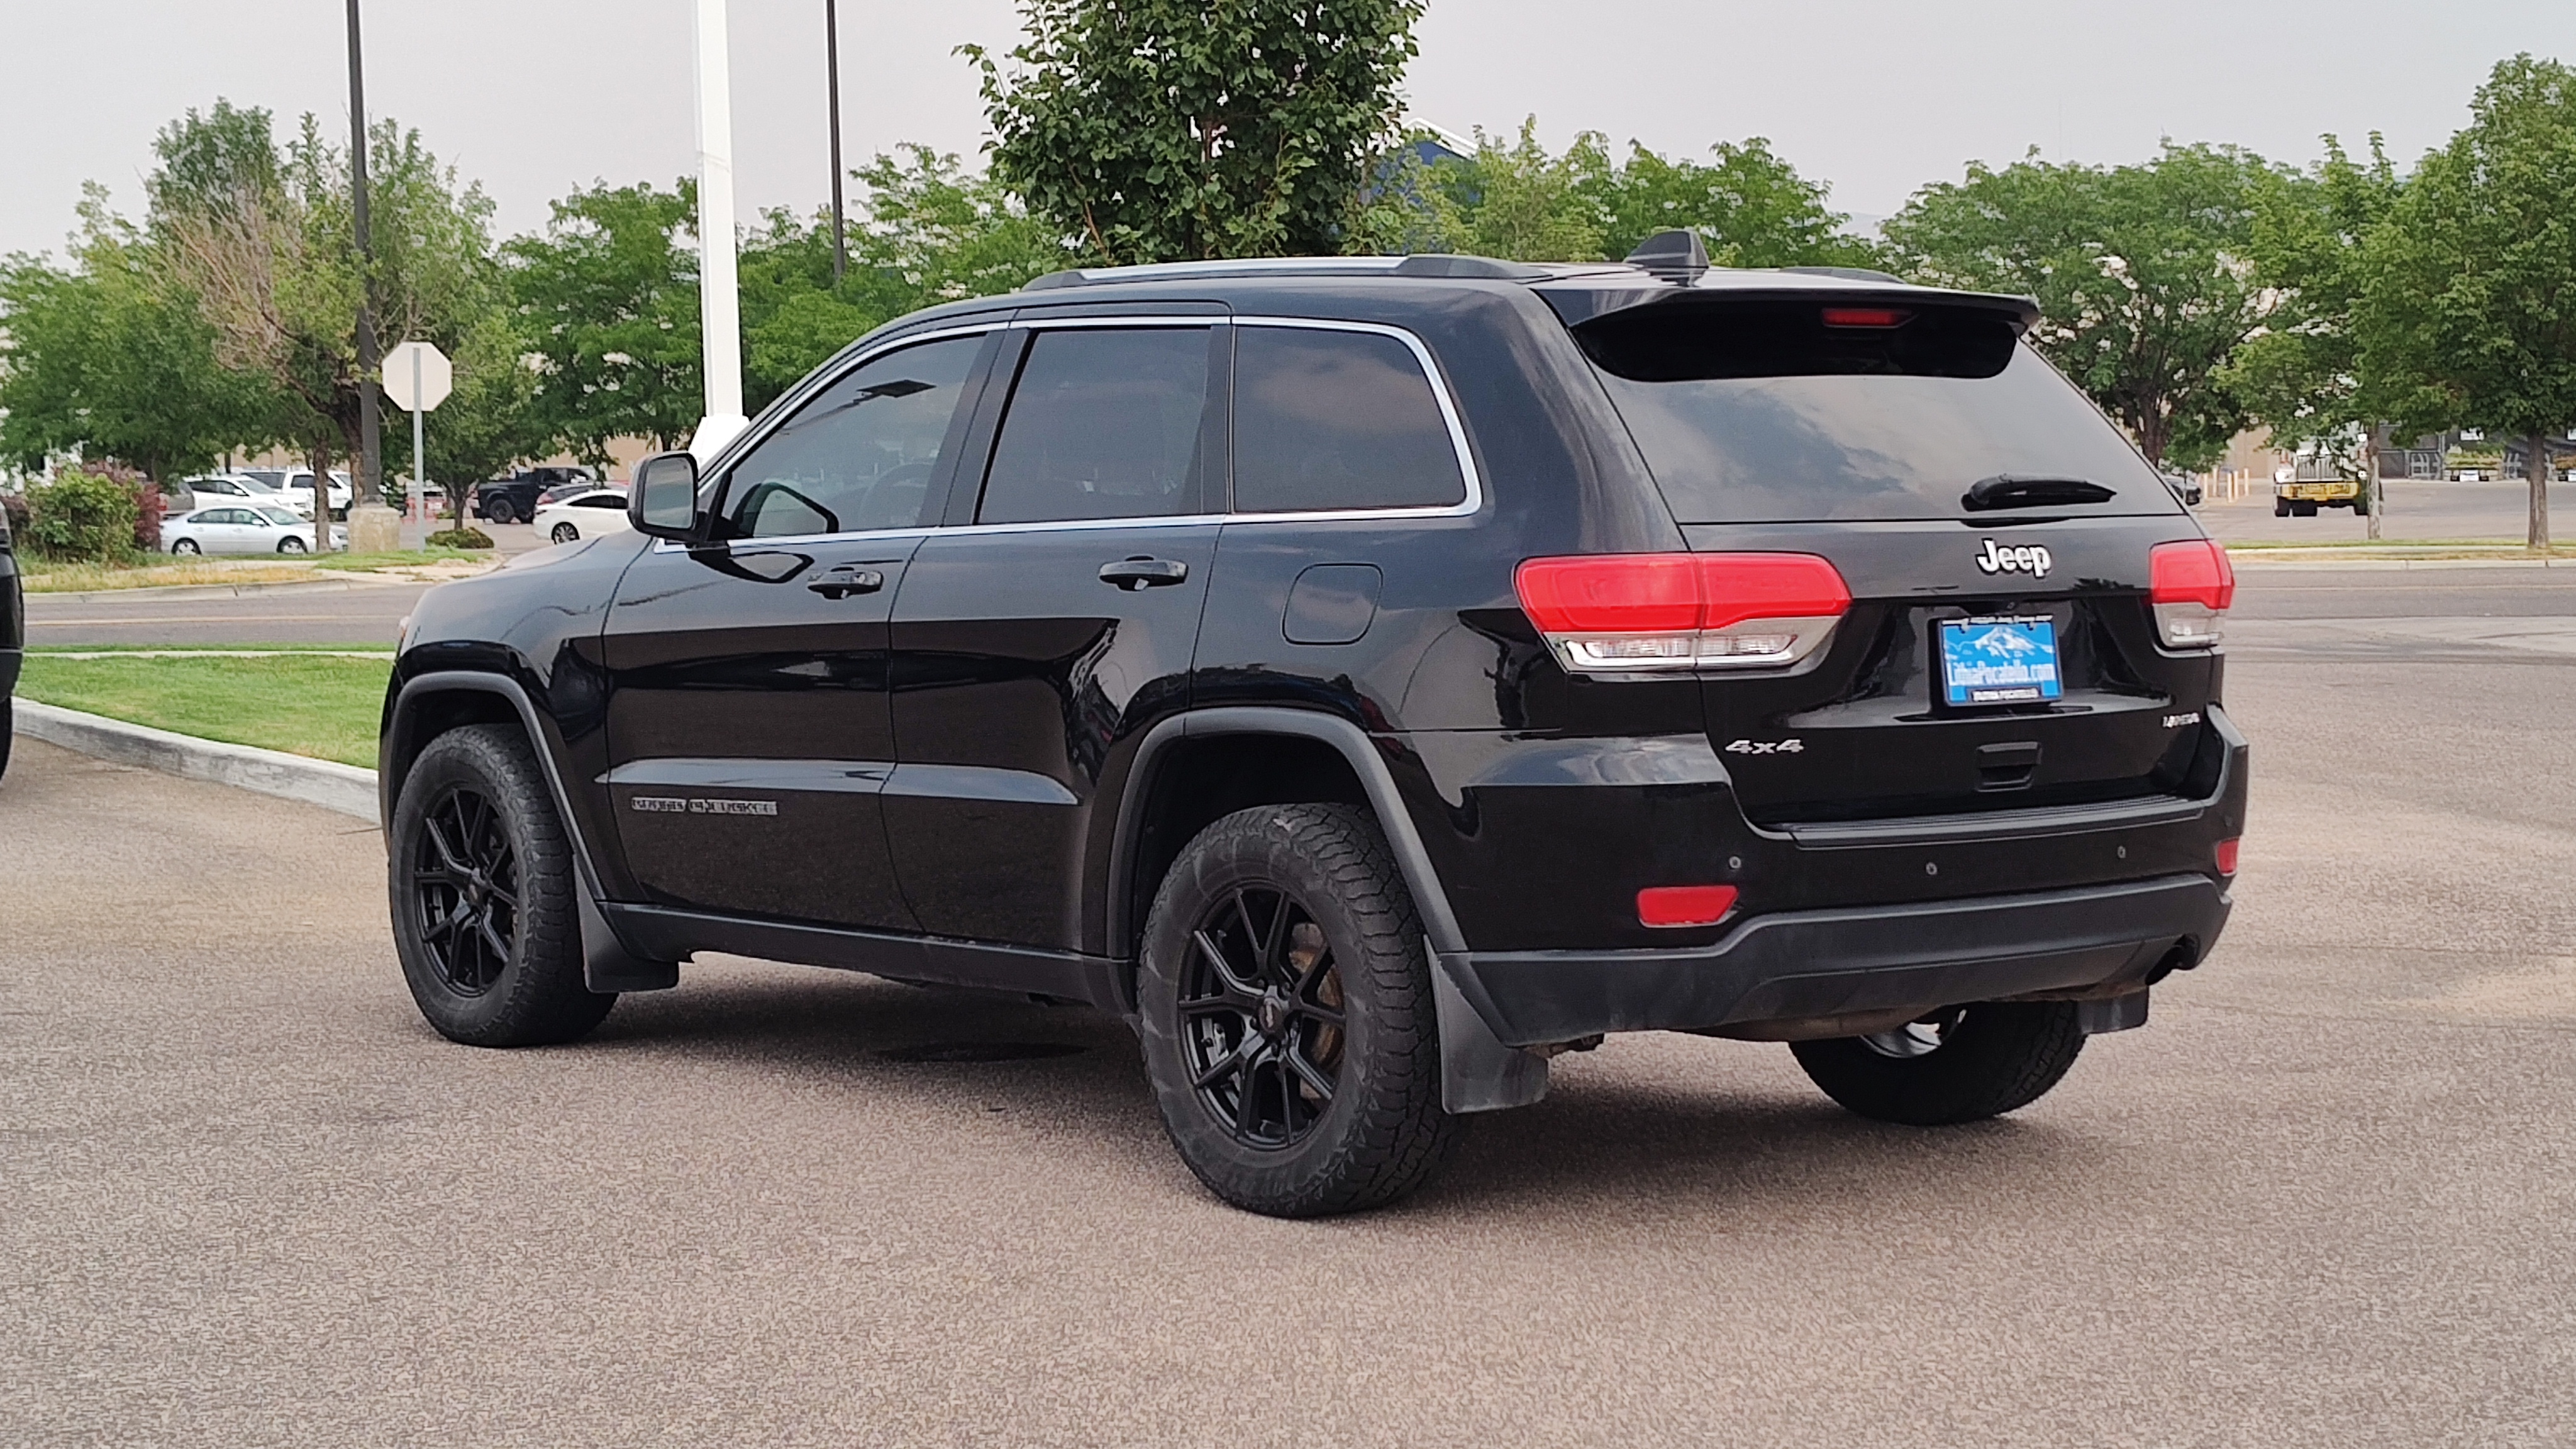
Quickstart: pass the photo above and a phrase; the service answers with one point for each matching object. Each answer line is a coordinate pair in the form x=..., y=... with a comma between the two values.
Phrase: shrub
x=459, y=538
x=15, y=506
x=83, y=517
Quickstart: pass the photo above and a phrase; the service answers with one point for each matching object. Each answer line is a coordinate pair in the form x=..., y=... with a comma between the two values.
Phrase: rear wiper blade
x=2006, y=490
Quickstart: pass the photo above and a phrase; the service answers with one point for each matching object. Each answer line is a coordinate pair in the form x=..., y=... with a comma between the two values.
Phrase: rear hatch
x=1995, y=532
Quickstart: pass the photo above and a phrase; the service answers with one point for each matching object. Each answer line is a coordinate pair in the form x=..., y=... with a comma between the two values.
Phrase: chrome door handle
x=1140, y=572
x=840, y=583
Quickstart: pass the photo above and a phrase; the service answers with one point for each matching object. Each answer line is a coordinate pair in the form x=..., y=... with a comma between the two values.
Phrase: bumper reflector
x=2227, y=856
x=1702, y=905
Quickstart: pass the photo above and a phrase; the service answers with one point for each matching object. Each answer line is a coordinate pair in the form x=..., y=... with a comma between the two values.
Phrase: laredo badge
x=669, y=805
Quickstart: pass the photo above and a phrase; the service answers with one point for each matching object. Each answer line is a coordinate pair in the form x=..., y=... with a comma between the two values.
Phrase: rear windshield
x=1761, y=416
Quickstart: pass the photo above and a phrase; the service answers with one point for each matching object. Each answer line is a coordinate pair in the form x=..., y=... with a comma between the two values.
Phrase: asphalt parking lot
x=2324, y=1199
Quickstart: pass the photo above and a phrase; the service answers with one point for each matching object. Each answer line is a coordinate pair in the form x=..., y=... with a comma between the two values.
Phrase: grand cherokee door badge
x=672, y=805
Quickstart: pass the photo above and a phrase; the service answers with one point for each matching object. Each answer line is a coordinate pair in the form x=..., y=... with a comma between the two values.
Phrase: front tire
x=566, y=533
x=1960, y=1064
x=1287, y=1011
x=483, y=912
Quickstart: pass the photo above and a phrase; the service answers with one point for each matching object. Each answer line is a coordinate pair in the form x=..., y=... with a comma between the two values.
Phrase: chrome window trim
x=1468, y=507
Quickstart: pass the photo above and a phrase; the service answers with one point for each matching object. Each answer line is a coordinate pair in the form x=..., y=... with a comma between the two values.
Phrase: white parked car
x=243, y=530
x=241, y=490
x=586, y=514
x=298, y=489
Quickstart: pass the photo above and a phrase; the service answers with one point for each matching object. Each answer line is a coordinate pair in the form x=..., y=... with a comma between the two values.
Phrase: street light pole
x=719, y=293
x=832, y=62
x=371, y=440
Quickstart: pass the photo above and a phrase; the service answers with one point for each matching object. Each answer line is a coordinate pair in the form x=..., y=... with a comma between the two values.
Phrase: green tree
x=106, y=360
x=2300, y=375
x=491, y=420
x=2467, y=313
x=1163, y=130
x=929, y=232
x=263, y=236
x=1516, y=201
x=2141, y=272
x=1750, y=207
x=606, y=300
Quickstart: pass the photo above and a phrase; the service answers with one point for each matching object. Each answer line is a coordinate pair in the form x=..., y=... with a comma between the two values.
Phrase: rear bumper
x=2091, y=941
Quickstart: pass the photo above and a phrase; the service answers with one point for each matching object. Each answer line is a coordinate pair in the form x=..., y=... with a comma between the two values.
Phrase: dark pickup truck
x=514, y=499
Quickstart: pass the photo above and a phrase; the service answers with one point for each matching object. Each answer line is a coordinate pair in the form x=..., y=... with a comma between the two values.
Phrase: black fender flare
x=1477, y=1071
x=608, y=963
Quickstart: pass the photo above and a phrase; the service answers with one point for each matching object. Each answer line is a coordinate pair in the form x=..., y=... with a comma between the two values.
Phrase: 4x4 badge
x=2025, y=558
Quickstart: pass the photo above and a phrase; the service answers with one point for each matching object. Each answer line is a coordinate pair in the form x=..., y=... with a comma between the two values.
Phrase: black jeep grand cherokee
x=1370, y=678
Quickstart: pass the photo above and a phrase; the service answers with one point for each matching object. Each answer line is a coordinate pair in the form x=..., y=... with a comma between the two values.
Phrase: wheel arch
x=429, y=705
x=1193, y=768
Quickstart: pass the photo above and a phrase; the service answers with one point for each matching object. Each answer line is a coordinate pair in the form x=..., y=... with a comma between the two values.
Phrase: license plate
x=2007, y=660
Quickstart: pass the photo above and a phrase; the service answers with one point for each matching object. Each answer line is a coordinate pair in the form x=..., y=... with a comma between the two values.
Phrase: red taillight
x=1634, y=611
x=1701, y=905
x=1611, y=593
x=2227, y=856
x=1865, y=317
x=2193, y=572
x=2191, y=584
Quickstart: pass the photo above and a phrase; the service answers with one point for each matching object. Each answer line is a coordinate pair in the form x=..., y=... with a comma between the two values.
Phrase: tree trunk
x=320, y=463
x=2536, y=468
x=2370, y=490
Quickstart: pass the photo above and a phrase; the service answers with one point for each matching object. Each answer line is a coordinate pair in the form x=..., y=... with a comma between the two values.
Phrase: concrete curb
x=218, y=591
x=327, y=783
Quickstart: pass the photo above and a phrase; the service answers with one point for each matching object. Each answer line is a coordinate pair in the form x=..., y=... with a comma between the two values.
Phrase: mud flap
x=607, y=967
x=1477, y=1072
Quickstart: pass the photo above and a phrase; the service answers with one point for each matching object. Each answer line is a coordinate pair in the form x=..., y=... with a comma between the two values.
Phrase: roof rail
x=1423, y=265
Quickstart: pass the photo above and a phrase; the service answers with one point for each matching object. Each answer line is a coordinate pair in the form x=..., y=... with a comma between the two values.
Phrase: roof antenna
x=1674, y=256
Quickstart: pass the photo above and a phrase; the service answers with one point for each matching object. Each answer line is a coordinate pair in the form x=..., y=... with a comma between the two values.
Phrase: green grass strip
x=324, y=707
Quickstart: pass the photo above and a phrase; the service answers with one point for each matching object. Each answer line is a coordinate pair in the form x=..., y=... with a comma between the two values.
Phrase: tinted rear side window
x=1332, y=420
x=1853, y=426
x=1105, y=423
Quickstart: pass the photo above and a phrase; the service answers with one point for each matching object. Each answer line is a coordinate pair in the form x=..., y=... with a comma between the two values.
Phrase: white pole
x=417, y=499
x=719, y=295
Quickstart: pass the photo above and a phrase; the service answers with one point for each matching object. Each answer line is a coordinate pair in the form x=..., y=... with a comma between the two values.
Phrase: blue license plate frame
x=1999, y=659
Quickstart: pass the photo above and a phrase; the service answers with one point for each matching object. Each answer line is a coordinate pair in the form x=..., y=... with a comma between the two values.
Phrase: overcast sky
x=1876, y=97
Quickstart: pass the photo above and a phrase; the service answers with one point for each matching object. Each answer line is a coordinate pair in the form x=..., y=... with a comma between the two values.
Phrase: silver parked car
x=243, y=530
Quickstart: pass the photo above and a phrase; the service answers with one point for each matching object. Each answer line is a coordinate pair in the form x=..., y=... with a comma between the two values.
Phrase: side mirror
x=664, y=500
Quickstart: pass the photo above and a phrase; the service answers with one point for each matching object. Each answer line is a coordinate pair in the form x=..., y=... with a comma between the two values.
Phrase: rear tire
x=1288, y=1025
x=8, y=731
x=482, y=877
x=566, y=533
x=292, y=544
x=2280, y=508
x=501, y=512
x=185, y=545
x=1963, y=1064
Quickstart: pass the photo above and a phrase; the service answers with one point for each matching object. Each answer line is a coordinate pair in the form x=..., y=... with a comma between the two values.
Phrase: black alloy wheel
x=501, y=512
x=1285, y=1010
x=481, y=877
x=465, y=891
x=1261, y=1017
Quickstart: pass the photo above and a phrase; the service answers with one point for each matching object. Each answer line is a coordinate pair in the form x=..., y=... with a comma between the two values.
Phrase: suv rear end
x=1951, y=647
